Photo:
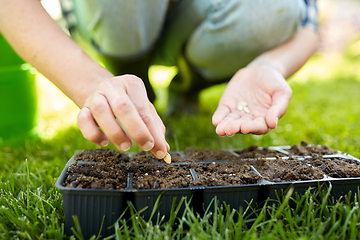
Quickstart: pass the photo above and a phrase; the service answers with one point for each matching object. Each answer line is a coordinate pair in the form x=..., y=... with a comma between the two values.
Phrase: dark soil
x=255, y=152
x=199, y=155
x=304, y=149
x=108, y=169
x=226, y=173
x=166, y=176
x=337, y=168
x=102, y=155
x=108, y=175
x=147, y=158
x=280, y=170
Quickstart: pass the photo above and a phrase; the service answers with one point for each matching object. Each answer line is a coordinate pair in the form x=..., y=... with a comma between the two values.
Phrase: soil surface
x=108, y=169
x=305, y=149
x=226, y=173
x=337, y=168
x=147, y=158
x=255, y=152
x=108, y=175
x=281, y=170
x=166, y=176
x=102, y=155
x=199, y=155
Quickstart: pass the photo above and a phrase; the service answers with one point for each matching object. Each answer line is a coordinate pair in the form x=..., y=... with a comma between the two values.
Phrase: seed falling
x=167, y=158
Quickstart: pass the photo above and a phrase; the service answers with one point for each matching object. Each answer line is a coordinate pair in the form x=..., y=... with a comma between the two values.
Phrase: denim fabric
x=120, y=28
x=217, y=37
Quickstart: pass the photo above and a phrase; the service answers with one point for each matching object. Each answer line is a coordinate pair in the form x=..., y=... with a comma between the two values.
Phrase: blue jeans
x=216, y=37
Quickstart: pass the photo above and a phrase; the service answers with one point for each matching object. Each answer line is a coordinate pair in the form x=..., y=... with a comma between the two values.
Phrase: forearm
x=39, y=40
x=290, y=56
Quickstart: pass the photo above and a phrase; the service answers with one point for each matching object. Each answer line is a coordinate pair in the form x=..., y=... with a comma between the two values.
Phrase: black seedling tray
x=91, y=205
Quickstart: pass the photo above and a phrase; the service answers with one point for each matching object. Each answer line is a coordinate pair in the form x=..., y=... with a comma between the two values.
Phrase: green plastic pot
x=8, y=57
x=18, y=103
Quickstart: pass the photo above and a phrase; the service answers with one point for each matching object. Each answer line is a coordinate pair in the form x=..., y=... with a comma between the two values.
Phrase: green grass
x=316, y=216
x=324, y=110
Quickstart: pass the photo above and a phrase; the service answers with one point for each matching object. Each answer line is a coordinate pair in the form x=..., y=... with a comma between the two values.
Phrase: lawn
x=324, y=110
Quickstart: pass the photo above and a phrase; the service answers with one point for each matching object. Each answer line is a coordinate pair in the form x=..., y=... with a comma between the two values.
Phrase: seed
x=242, y=103
x=242, y=106
x=246, y=109
x=167, y=158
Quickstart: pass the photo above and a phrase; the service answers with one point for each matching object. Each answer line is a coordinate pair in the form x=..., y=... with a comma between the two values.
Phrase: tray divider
x=193, y=174
x=198, y=194
x=216, y=161
x=129, y=185
x=233, y=153
x=87, y=163
x=263, y=180
x=256, y=171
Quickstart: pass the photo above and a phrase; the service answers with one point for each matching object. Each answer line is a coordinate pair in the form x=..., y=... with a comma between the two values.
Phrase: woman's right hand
x=120, y=108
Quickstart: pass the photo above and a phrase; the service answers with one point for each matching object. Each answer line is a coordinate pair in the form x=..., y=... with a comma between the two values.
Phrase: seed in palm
x=243, y=106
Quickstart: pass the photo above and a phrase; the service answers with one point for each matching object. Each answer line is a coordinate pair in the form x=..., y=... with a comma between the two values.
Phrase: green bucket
x=18, y=103
x=8, y=57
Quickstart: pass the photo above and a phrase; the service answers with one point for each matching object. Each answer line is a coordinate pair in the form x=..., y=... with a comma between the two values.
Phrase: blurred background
x=338, y=55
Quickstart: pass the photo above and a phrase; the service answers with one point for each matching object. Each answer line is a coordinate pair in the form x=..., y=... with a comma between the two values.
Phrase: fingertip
x=125, y=146
x=160, y=154
x=230, y=132
x=214, y=120
x=148, y=146
x=257, y=127
x=219, y=115
x=104, y=143
x=220, y=132
x=271, y=121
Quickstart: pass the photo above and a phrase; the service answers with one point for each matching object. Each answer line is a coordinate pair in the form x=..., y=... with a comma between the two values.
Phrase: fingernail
x=104, y=143
x=168, y=146
x=277, y=119
x=160, y=154
x=148, y=146
x=125, y=146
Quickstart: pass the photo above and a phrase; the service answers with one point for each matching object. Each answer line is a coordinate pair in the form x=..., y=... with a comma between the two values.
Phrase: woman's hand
x=265, y=91
x=120, y=107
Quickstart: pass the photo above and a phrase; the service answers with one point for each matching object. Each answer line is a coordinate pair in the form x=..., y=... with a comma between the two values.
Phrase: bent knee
x=121, y=28
x=239, y=32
